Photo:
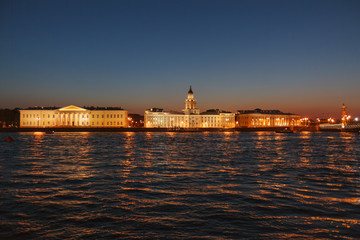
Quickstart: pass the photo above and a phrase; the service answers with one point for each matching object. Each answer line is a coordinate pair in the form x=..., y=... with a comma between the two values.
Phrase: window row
x=37, y=115
x=80, y=115
x=108, y=115
x=107, y=124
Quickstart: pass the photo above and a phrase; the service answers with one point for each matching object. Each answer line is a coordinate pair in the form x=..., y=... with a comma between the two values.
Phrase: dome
x=190, y=90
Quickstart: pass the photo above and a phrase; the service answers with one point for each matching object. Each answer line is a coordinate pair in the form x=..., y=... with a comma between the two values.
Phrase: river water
x=257, y=185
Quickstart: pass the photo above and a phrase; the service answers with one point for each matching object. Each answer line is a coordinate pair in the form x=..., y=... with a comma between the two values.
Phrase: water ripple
x=180, y=185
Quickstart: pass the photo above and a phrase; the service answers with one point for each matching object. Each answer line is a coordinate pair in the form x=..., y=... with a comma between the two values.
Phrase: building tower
x=343, y=115
x=190, y=104
x=343, y=111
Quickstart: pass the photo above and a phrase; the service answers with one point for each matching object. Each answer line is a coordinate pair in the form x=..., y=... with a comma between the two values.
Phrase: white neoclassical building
x=190, y=117
x=73, y=116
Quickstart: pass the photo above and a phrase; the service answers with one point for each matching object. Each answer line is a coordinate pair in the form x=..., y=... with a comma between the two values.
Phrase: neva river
x=258, y=185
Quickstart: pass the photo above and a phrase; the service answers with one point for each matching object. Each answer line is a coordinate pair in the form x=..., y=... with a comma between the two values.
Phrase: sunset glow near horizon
x=296, y=56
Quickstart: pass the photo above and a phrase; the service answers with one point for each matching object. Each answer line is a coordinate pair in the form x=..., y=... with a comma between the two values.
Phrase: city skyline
x=301, y=56
x=344, y=110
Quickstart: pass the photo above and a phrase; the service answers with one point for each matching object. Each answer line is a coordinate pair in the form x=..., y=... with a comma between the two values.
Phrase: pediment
x=72, y=108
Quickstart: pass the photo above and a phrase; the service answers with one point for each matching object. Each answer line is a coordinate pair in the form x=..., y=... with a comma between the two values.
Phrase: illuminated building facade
x=73, y=116
x=189, y=118
x=266, y=118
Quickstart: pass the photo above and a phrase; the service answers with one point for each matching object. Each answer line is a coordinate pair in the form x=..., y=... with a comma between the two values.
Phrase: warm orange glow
x=72, y=108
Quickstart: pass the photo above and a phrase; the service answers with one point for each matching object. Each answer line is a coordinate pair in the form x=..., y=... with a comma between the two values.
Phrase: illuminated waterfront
x=180, y=185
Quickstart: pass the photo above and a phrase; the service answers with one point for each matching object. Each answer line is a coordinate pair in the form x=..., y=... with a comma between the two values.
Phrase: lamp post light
x=84, y=120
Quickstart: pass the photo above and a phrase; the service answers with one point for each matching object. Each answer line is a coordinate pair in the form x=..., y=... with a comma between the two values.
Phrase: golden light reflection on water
x=171, y=134
x=39, y=133
x=37, y=144
x=227, y=135
x=130, y=134
x=166, y=178
x=305, y=135
x=129, y=143
x=71, y=150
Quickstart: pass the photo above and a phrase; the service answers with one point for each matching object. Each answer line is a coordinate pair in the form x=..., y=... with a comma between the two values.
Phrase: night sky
x=297, y=56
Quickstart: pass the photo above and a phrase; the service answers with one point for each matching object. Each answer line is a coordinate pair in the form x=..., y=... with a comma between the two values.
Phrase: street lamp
x=38, y=121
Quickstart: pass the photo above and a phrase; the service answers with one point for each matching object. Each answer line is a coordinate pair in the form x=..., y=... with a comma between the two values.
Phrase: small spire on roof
x=190, y=90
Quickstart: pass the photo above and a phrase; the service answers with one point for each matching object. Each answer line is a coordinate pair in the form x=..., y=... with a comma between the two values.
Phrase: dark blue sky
x=296, y=56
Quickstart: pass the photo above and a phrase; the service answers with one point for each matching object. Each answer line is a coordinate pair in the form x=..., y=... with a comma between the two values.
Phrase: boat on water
x=49, y=132
x=286, y=130
x=9, y=139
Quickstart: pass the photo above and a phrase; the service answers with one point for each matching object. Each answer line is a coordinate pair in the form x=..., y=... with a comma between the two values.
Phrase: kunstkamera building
x=190, y=117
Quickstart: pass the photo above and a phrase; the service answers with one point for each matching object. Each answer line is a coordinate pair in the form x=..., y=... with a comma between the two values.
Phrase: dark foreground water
x=180, y=185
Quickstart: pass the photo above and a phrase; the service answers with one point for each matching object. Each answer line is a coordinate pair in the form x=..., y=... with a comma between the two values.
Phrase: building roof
x=260, y=111
x=213, y=112
x=74, y=108
x=104, y=108
x=156, y=110
x=40, y=108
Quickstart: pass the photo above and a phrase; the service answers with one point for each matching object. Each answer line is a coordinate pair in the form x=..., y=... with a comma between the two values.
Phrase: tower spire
x=190, y=103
